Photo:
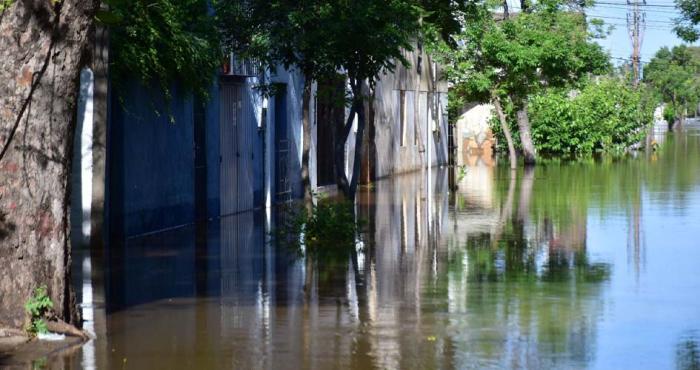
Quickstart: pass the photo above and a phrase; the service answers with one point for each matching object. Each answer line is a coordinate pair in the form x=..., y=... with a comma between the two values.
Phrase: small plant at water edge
x=328, y=227
x=38, y=305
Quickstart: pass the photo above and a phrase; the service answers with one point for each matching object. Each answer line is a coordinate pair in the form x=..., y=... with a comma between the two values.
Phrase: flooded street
x=586, y=265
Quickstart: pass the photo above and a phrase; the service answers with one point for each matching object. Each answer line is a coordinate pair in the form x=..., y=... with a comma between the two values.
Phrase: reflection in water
x=559, y=266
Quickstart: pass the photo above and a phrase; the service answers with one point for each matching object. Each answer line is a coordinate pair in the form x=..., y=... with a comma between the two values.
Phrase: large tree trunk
x=306, y=129
x=506, y=132
x=341, y=136
x=357, y=160
x=42, y=49
x=348, y=187
x=526, y=135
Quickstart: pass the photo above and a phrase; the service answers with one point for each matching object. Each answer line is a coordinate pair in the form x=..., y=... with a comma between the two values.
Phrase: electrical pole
x=636, y=23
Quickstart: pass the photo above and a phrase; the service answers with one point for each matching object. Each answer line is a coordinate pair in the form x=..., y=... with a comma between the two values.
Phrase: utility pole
x=636, y=23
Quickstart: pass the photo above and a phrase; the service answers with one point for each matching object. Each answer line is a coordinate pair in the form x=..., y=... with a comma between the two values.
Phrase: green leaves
x=328, y=229
x=107, y=18
x=38, y=305
x=164, y=41
x=518, y=56
x=608, y=116
x=673, y=74
x=686, y=25
x=5, y=4
x=321, y=37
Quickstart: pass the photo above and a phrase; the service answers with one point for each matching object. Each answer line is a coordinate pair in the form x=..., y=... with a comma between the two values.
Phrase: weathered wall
x=426, y=126
x=473, y=136
x=42, y=47
x=426, y=122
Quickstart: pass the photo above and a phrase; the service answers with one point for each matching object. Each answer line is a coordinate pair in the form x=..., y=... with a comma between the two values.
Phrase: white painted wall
x=472, y=124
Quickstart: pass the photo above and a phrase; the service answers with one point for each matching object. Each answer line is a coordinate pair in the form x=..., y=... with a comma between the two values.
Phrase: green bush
x=608, y=116
x=328, y=228
x=670, y=114
x=38, y=305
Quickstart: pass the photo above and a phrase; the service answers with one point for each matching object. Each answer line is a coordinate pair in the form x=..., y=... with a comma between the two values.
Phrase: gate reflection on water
x=562, y=266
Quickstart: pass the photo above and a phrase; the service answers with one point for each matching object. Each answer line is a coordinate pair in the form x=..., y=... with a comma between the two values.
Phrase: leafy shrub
x=670, y=114
x=328, y=228
x=608, y=116
x=38, y=305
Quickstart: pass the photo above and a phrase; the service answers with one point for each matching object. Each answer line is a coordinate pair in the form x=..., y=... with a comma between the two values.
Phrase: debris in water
x=51, y=336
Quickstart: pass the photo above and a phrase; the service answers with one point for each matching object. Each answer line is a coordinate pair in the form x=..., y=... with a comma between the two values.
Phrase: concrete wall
x=473, y=136
x=426, y=127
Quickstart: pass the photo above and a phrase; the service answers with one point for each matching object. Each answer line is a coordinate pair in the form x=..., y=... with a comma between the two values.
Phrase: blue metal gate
x=238, y=139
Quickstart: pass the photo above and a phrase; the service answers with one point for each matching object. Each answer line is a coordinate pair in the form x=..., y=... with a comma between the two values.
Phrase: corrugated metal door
x=238, y=140
x=246, y=136
x=229, y=118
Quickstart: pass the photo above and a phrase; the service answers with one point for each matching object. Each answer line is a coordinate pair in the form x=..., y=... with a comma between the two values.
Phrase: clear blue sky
x=658, y=33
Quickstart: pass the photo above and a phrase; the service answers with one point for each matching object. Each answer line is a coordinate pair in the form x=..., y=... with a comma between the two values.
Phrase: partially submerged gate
x=283, y=186
x=238, y=138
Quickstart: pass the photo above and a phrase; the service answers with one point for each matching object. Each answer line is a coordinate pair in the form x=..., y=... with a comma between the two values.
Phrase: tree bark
x=506, y=132
x=306, y=132
x=349, y=187
x=357, y=160
x=341, y=137
x=529, y=154
x=43, y=46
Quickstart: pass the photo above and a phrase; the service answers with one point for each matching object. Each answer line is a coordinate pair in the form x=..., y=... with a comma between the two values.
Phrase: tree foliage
x=686, y=26
x=503, y=60
x=673, y=75
x=516, y=57
x=321, y=37
x=609, y=116
x=164, y=41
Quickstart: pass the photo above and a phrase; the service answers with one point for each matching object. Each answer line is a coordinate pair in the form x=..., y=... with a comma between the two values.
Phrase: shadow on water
x=523, y=270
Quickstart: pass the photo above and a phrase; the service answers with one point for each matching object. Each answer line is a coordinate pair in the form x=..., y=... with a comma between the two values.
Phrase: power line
x=638, y=4
x=630, y=60
x=650, y=11
x=623, y=18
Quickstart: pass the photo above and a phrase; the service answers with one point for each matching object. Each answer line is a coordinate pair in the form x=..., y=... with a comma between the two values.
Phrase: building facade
x=184, y=160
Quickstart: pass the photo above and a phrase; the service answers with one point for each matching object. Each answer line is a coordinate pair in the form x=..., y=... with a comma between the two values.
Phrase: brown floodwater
x=587, y=265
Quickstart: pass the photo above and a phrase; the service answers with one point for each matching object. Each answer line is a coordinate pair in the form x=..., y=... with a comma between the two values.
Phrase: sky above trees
x=659, y=33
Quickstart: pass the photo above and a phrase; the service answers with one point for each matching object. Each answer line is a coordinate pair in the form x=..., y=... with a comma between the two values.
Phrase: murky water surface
x=588, y=265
